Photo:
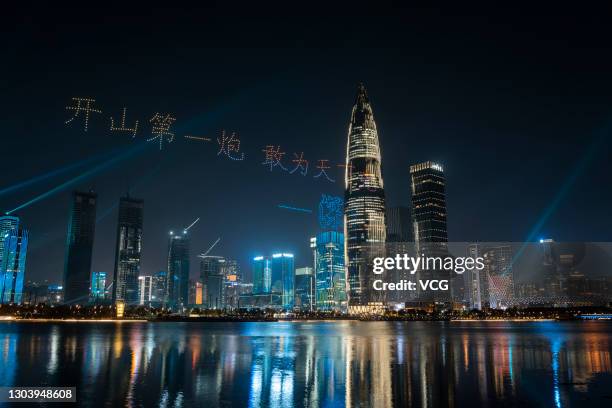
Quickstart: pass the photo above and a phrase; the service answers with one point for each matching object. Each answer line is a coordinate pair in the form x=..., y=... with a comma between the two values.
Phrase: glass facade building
x=364, y=209
x=177, y=279
x=14, y=246
x=330, y=275
x=79, y=247
x=428, y=188
x=211, y=275
x=98, y=286
x=304, y=288
x=274, y=281
x=128, y=250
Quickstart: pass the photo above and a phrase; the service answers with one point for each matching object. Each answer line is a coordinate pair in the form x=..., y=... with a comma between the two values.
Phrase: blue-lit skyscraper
x=329, y=246
x=79, y=247
x=274, y=280
x=12, y=259
x=283, y=278
x=177, y=283
x=98, y=286
x=330, y=276
x=261, y=275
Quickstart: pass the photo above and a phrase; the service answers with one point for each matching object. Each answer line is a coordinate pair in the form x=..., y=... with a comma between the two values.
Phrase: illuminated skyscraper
x=177, y=279
x=364, y=210
x=7, y=223
x=14, y=241
x=79, y=247
x=330, y=276
x=498, y=268
x=128, y=250
x=428, y=187
x=98, y=286
x=211, y=276
x=273, y=281
x=304, y=288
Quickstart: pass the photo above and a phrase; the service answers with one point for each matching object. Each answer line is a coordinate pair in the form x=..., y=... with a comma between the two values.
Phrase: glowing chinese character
x=331, y=212
x=300, y=164
x=161, y=129
x=82, y=105
x=322, y=166
x=273, y=157
x=229, y=144
x=121, y=127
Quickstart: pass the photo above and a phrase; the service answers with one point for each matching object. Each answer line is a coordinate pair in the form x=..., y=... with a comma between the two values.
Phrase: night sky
x=515, y=104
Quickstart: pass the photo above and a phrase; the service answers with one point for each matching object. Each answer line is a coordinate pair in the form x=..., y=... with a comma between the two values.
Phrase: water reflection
x=314, y=364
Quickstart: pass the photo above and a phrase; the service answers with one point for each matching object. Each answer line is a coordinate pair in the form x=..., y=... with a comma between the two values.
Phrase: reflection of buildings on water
x=317, y=364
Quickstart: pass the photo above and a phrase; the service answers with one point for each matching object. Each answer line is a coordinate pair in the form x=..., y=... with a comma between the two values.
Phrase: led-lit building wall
x=330, y=276
x=128, y=250
x=177, y=279
x=12, y=268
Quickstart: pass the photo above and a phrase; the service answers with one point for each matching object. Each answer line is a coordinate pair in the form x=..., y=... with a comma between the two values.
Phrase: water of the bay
x=329, y=364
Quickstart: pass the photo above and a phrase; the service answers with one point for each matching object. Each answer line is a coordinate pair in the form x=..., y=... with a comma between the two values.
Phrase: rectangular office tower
x=212, y=270
x=273, y=281
x=177, y=279
x=330, y=273
x=13, y=250
x=79, y=247
x=128, y=249
x=429, y=221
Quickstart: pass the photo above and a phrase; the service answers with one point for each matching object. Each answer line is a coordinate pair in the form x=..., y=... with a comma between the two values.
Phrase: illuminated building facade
x=330, y=276
x=273, y=281
x=211, y=275
x=364, y=209
x=177, y=279
x=231, y=284
x=428, y=188
x=13, y=260
x=145, y=290
x=128, y=250
x=304, y=288
x=498, y=268
x=98, y=286
x=79, y=247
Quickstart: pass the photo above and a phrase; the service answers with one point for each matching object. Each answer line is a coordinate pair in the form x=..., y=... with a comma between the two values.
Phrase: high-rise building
x=79, y=247
x=364, y=210
x=261, y=275
x=304, y=288
x=231, y=282
x=283, y=278
x=7, y=223
x=158, y=289
x=330, y=272
x=428, y=187
x=13, y=259
x=128, y=250
x=145, y=290
x=212, y=276
x=476, y=281
x=177, y=280
x=399, y=224
x=273, y=281
x=98, y=286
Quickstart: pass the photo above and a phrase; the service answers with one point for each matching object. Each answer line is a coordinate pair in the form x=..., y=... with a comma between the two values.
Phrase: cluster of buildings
x=352, y=230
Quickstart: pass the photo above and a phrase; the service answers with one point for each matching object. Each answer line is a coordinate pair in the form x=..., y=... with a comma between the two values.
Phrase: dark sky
x=516, y=104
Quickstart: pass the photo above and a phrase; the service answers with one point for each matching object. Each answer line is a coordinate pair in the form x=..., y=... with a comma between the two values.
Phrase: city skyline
x=549, y=132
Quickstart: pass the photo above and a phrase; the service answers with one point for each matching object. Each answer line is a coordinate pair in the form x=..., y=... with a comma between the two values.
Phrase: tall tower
x=177, y=279
x=79, y=247
x=364, y=209
x=13, y=247
x=128, y=250
x=428, y=187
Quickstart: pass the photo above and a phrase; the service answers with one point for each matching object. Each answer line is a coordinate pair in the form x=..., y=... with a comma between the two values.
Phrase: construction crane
x=191, y=225
x=203, y=255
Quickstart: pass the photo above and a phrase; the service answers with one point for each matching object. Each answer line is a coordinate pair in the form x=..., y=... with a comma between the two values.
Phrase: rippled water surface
x=552, y=364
